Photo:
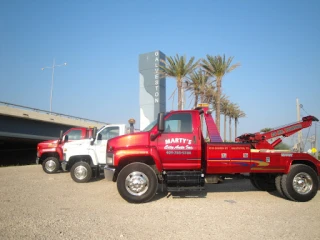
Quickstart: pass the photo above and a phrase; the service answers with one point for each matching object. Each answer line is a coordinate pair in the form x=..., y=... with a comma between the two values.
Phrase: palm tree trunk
x=230, y=133
x=179, y=85
x=235, y=127
x=202, y=94
x=218, y=103
x=201, y=97
x=196, y=100
x=225, y=128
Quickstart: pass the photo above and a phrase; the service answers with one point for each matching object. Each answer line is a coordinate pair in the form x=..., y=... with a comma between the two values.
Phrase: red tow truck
x=172, y=151
x=50, y=152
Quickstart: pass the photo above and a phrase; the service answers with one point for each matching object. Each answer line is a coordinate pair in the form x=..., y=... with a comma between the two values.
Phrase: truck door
x=179, y=146
x=101, y=142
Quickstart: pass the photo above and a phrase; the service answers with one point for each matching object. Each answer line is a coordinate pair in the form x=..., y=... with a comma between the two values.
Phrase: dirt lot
x=35, y=205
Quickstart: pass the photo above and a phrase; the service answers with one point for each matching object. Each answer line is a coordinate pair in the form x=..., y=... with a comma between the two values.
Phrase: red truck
x=50, y=153
x=172, y=151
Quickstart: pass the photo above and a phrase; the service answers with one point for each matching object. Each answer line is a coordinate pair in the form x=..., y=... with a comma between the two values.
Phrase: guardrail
x=47, y=112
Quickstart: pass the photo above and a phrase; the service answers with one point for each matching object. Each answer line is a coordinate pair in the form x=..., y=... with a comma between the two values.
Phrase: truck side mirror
x=161, y=122
x=94, y=135
x=94, y=132
x=61, y=134
x=160, y=127
x=66, y=138
x=60, y=137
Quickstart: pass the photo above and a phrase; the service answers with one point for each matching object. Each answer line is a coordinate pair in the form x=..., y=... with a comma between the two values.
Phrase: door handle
x=194, y=139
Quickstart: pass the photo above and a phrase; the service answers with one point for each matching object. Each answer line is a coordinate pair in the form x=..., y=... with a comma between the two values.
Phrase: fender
x=76, y=151
x=122, y=154
x=60, y=153
x=47, y=150
x=93, y=155
x=52, y=151
x=303, y=159
x=155, y=155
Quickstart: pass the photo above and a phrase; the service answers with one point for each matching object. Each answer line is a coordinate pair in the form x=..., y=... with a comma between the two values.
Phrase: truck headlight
x=109, y=160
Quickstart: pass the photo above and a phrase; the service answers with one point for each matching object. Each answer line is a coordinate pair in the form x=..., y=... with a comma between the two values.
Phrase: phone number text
x=178, y=152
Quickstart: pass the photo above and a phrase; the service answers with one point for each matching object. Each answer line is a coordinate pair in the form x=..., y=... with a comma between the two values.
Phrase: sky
x=276, y=43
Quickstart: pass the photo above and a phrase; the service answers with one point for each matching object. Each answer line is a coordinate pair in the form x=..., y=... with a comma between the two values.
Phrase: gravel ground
x=36, y=205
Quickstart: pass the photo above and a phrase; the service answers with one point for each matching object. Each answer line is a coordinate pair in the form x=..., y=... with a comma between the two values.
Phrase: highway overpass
x=21, y=128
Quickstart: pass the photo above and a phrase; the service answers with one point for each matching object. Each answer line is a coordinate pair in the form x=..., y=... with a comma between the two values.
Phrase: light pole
x=53, y=67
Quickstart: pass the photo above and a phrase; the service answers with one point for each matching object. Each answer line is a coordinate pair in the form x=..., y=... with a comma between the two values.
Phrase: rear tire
x=81, y=172
x=51, y=165
x=278, y=186
x=137, y=183
x=300, y=184
x=252, y=180
x=263, y=182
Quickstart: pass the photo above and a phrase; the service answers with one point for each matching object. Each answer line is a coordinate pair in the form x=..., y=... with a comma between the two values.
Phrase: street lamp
x=53, y=67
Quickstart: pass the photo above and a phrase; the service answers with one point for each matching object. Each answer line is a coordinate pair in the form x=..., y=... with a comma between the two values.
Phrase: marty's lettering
x=178, y=144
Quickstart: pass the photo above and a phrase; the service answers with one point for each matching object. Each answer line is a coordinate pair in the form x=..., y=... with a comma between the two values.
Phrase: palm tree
x=233, y=108
x=225, y=103
x=178, y=68
x=210, y=96
x=197, y=85
x=238, y=114
x=217, y=67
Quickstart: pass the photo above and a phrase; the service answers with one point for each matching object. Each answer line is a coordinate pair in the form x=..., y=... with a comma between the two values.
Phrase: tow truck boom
x=259, y=139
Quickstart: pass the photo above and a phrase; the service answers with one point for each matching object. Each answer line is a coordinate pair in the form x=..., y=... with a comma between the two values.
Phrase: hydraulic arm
x=259, y=139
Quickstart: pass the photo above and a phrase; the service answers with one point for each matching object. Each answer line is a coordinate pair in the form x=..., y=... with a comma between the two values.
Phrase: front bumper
x=109, y=173
x=37, y=160
x=64, y=165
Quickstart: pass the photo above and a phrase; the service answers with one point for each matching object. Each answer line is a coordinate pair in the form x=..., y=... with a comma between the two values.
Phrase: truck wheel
x=263, y=182
x=51, y=165
x=252, y=180
x=300, y=184
x=278, y=186
x=137, y=183
x=265, y=186
x=81, y=172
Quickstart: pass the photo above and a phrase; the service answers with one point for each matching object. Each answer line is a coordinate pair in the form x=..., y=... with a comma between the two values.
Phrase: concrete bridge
x=22, y=122
x=21, y=128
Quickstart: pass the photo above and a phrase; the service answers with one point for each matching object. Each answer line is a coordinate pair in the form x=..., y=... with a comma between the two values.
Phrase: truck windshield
x=100, y=128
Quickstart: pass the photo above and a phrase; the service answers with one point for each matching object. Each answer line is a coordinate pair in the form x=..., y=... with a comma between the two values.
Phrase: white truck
x=86, y=158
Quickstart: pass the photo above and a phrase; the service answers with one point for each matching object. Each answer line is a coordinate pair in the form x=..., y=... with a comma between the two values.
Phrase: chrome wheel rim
x=137, y=183
x=80, y=172
x=50, y=165
x=302, y=183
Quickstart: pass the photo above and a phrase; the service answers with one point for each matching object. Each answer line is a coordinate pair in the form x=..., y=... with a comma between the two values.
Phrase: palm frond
x=178, y=67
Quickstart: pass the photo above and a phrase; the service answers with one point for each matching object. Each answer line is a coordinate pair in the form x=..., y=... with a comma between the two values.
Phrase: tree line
x=203, y=79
